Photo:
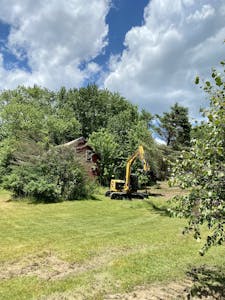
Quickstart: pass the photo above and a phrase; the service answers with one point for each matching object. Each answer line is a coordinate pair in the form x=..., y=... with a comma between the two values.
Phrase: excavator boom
x=139, y=153
x=120, y=189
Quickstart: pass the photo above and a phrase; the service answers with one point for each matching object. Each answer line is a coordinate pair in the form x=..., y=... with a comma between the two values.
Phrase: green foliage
x=199, y=131
x=51, y=176
x=22, y=110
x=32, y=121
x=139, y=134
x=105, y=145
x=35, y=113
x=52, y=118
x=93, y=108
x=165, y=157
x=202, y=170
x=147, y=117
x=6, y=155
x=121, y=124
x=125, y=132
x=62, y=126
x=174, y=127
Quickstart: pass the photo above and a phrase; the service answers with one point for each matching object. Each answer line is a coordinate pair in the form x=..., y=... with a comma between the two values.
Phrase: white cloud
x=55, y=36
x=178, y=40
x=205, y=12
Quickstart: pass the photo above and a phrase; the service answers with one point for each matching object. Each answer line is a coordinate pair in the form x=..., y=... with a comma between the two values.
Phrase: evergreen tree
x=174, y=127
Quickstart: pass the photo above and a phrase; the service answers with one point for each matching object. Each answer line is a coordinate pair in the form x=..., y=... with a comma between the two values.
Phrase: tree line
x=33, y=120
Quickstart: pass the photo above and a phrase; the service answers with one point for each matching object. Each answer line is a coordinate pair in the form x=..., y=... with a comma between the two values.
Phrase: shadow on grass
x=41, y=201
x=9, y=200
x=208, y=282
x=36, y=201
x=162, y=210
x=156, y=194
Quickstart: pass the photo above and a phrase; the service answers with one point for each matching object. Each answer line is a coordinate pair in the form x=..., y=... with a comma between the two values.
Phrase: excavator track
x=126, y=196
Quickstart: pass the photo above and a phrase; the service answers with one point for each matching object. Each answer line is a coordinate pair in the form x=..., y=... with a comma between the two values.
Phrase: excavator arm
x=139, y=153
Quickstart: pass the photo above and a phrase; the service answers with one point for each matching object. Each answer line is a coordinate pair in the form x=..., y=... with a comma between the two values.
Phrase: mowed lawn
x=88, y=249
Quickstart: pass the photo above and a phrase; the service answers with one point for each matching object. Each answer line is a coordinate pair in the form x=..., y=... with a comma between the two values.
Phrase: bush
x=53, y=176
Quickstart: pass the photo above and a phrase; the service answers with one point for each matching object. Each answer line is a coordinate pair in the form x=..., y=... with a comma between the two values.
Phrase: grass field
x=88, y=249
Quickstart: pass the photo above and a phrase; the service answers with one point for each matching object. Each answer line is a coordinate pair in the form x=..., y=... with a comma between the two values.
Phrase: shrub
x=52, y=176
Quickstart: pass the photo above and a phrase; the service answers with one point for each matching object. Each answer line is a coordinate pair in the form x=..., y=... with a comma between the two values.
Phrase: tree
x=121, y=123
x=174, y=127
x=37, y=114
x=24, y=110
x=93, y=107
x=107, y=148
x=202, y=170
x=147, y=117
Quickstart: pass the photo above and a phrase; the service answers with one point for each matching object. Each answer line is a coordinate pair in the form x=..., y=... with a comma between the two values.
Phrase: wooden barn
x=85, y=154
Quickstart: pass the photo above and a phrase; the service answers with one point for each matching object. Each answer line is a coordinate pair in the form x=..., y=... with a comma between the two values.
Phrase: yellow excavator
x=128, y=188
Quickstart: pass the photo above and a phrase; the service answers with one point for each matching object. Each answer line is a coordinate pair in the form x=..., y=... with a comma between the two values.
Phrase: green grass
x=91, y=248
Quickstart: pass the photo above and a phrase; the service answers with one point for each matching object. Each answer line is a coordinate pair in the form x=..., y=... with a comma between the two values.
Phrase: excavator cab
x=116, y=185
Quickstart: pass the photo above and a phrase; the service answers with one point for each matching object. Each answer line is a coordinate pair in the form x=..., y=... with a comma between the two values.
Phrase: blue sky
x=123, y=15
x=9, y=59
x=149, y=51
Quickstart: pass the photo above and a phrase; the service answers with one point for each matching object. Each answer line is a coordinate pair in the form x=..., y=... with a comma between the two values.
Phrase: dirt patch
x=48, y=266
x=171, y=291
x=44, y=266
x=165, y=191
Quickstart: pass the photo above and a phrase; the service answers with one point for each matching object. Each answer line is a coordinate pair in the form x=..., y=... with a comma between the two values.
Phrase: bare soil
x=48, y=266
x=173, y=290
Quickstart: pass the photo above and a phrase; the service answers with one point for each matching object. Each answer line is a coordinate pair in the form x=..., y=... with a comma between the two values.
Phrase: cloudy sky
x=149, y=51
